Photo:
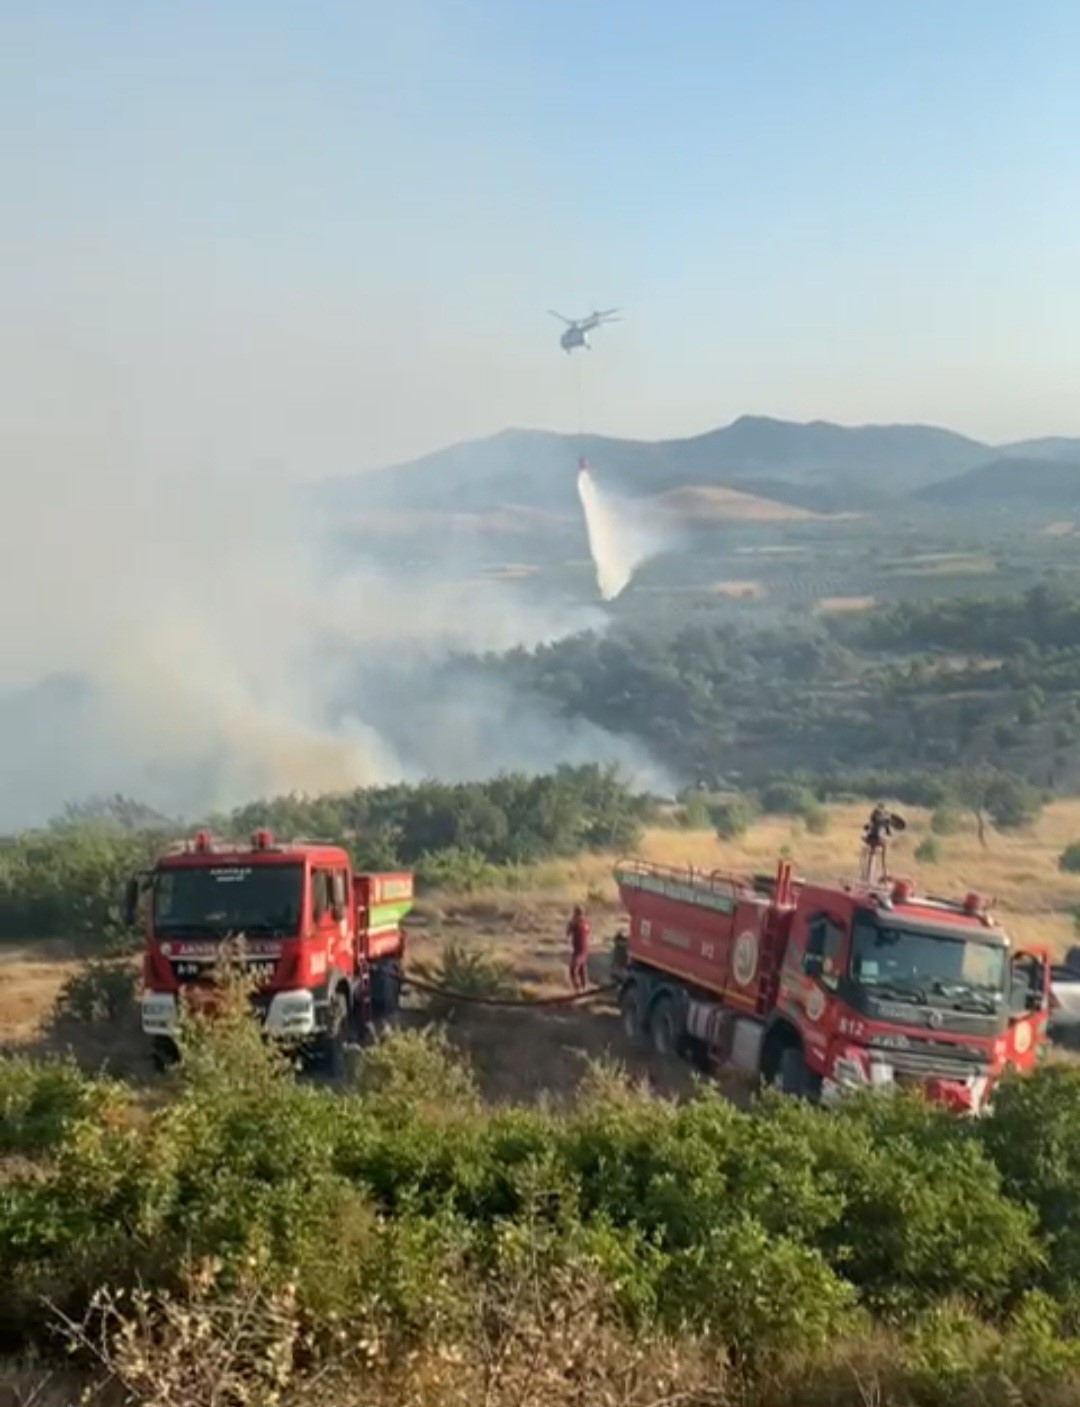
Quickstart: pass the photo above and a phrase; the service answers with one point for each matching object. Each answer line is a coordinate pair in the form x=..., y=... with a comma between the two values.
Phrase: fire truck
x=323, y=944
x=824, y=989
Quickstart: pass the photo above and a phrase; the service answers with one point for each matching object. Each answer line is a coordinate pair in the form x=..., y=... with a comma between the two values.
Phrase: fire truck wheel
x=794, y=1078
x=337, y=1030
x=632, y=1008
x=164, y=1054
x=662, y=1026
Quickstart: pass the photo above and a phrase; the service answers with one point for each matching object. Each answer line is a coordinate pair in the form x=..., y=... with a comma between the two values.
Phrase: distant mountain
x=1031, y=483
x=1057, y=447
x=819, y=467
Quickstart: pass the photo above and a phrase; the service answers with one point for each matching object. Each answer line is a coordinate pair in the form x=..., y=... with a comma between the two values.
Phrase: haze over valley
x=315, y=637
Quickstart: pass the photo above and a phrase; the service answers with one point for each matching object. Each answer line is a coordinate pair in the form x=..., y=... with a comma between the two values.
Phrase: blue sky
x=317, y=236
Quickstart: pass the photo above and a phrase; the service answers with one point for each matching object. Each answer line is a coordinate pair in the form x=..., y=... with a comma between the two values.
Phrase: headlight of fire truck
x=158, y=1013
x=291, y=1014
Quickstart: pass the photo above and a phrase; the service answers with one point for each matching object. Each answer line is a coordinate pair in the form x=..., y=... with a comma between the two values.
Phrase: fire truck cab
x=324, y=944
x=822, y=989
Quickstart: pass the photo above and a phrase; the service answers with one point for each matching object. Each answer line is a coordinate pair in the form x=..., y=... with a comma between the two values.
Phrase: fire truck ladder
x=709, y=890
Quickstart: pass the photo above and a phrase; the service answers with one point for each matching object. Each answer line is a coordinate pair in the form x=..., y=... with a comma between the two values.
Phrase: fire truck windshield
x=215, y=901
x=932, y=967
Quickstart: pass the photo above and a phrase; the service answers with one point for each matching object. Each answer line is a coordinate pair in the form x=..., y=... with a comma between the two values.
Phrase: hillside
x=1059, y=447
x=819, y=467
x=703, y=504
x=1011, y=482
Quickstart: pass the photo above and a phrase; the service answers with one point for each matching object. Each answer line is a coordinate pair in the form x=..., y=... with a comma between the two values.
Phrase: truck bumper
x=287, y=1015
x=970, y=1096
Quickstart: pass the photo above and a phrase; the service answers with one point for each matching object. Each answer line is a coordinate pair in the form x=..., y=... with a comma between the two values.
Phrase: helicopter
x=577, y=330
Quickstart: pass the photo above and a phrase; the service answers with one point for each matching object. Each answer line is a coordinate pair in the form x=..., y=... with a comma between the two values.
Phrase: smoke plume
x=205, y=643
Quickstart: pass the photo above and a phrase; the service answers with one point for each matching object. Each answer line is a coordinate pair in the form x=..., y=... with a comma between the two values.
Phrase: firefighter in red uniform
x=577, y=930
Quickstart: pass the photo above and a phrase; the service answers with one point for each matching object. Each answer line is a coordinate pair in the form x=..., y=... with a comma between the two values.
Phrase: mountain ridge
x=818, y=466
x=1011, y=481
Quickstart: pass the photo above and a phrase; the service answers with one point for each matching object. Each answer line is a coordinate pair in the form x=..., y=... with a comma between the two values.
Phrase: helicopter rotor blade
x=569, y=321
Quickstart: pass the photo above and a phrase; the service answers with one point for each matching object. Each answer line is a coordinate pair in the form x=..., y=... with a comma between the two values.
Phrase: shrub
x=465, y=970
x=787, y=799
x=928, y=850
x=1033, y=1135
x=68, y=882
x=416, y=1070
x=1069, y=859
x=1012, y=802
x=732, y=818
x=400, y=1223
x=816, y=820
x=42, y=1101
x=946, y=820
x=694, y=814
x=96, y=1018
x=462, y=871
x=761, y=1294
x=103, y=993
x=923, y=1212
x=1032, y=706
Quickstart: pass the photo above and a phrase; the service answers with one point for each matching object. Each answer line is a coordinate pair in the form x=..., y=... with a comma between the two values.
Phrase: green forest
x=67, y=880
x=940, y=684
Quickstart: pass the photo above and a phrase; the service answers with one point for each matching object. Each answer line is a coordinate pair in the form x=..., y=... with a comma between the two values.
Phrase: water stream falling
x=620, y=536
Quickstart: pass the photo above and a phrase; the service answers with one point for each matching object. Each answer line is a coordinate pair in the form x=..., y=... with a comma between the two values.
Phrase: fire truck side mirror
x=131, y=901
x=813, y=964
x=337, y=899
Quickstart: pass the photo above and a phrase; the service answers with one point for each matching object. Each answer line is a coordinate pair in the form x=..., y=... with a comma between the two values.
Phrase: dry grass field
x=524, y=928
x=1019, y=870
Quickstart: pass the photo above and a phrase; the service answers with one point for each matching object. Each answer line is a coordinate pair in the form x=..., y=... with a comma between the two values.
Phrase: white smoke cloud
x=216, y=650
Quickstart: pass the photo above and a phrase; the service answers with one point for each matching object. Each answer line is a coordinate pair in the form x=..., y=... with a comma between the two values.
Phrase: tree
x=1032, y=706
x=732, y=818
x=1012, y=802
x=785, y=798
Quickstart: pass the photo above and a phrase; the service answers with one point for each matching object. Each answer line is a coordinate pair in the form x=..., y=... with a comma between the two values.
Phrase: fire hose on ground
x=417, y=984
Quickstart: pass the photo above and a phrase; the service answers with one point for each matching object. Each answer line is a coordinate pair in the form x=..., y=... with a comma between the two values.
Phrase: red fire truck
x=324, y=944
x=822, y=989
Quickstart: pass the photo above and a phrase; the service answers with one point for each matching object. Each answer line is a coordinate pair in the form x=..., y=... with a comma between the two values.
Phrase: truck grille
x=925, y=1058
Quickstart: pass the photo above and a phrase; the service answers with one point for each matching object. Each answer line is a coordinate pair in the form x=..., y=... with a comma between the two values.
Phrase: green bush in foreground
x=41, y=1103
x=406, y=1214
